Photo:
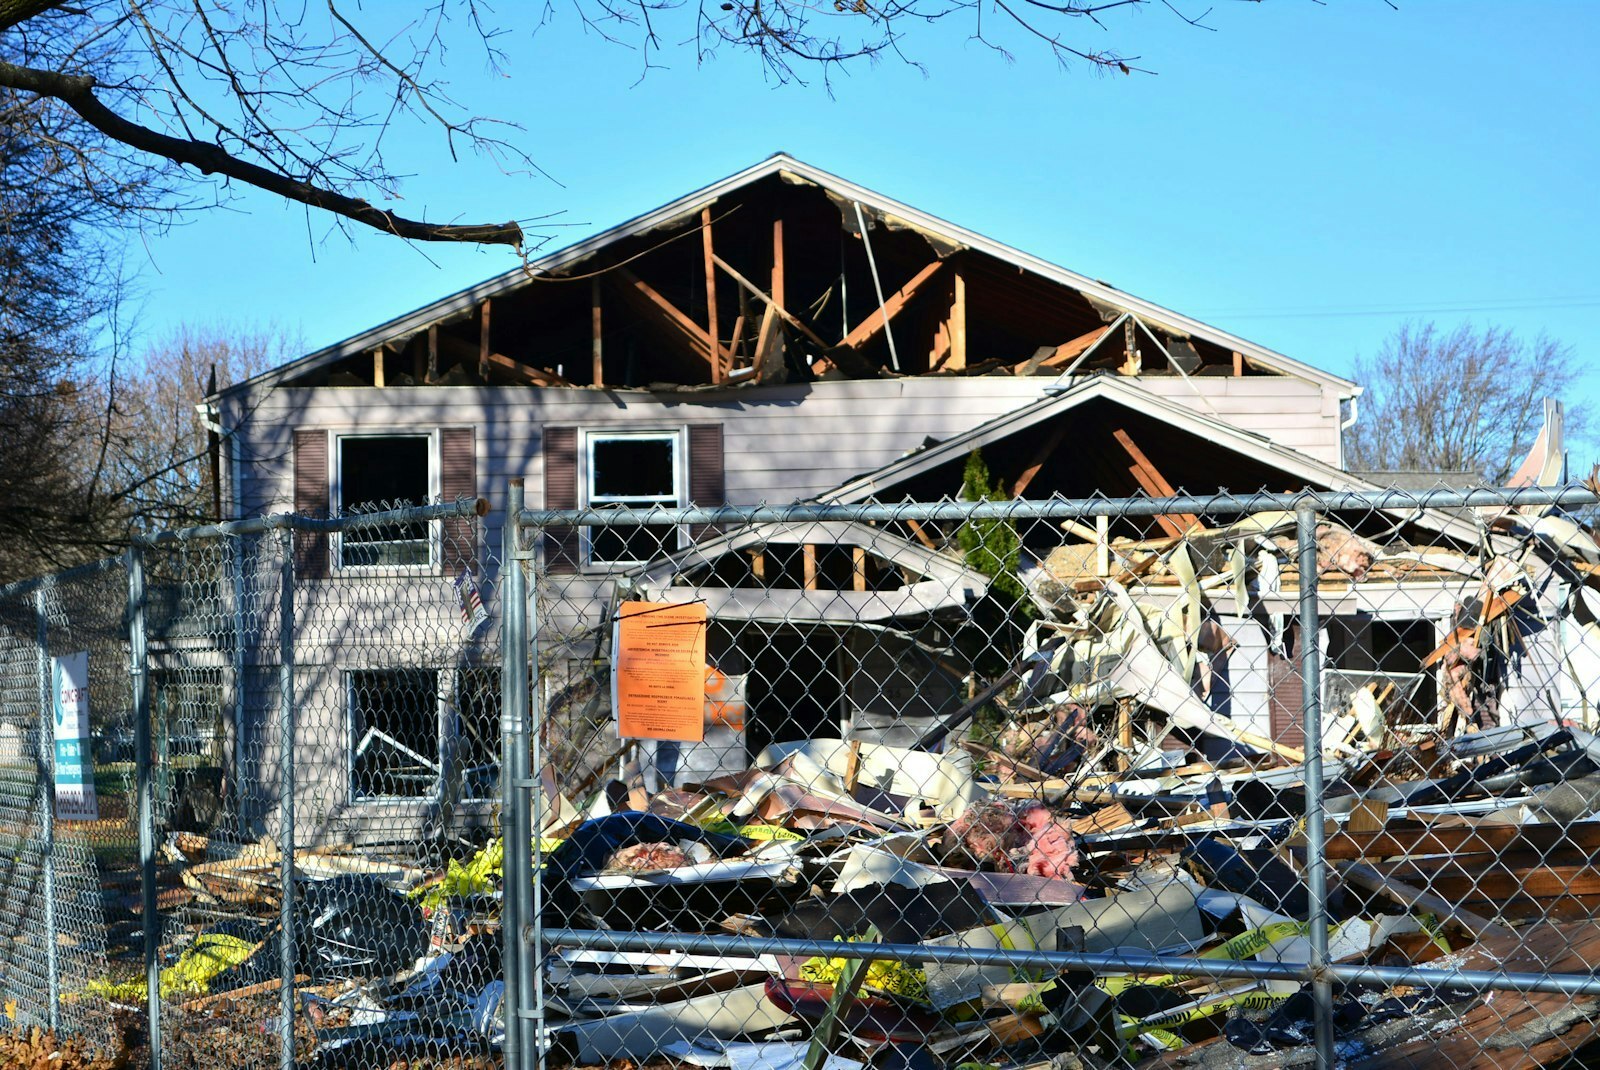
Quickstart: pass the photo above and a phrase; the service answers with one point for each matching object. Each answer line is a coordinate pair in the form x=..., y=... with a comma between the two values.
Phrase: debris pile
x=1126, y=786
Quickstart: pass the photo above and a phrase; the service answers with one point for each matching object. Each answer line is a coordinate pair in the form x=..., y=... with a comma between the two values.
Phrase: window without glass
x=478, y=728
x=394, y=733
x=632, y=470
x=383, y=472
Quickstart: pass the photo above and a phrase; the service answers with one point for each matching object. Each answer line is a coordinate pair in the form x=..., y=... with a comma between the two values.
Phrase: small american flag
x=470, y=601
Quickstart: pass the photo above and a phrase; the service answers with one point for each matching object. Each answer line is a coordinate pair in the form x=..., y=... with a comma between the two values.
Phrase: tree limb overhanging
x=77, y=92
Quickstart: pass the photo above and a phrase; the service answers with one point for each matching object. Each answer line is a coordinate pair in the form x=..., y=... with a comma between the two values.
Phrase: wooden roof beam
x=1154, y=483
x=874, y=324
x=645, y=297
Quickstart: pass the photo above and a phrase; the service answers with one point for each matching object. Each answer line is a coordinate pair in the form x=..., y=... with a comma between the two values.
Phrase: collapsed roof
x=780, y=273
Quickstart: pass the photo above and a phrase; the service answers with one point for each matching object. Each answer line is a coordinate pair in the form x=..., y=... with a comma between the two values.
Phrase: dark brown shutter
x=311, y=499
x=458, y=478
x=1286, y=696
x=707, y=485
x=560, y=450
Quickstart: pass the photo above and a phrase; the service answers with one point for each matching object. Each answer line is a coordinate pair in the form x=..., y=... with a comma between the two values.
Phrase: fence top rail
x=291, y=521
x=22, y=588
x=1052, y=508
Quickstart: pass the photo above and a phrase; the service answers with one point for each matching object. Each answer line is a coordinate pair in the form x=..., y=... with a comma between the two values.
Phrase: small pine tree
x=992, y=546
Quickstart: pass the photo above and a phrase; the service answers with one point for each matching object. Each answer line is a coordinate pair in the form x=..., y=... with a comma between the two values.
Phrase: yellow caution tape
x=1245, y=945
x=883, y=975
x=200, y=963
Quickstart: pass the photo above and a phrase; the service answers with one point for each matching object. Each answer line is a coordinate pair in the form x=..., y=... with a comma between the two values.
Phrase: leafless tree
x=159, y=454
x=1467, y=399
x=148, y=98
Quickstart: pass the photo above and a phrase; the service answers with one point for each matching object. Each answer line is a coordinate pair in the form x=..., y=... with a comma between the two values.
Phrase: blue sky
x=1307, y=175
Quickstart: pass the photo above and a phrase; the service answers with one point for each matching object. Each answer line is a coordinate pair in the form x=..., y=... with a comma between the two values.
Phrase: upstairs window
x=377, y=472
x=632, y=470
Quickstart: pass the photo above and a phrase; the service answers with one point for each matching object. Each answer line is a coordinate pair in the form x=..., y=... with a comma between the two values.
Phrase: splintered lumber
x=772, y=303
x=1154, y=484
x=1413, y=839
x=1498, y=607
x=1364, y=876
x=1105, y=819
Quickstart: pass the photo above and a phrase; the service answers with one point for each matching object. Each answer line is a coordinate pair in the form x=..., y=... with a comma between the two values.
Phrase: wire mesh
x=944, y=784
x=1203, y=781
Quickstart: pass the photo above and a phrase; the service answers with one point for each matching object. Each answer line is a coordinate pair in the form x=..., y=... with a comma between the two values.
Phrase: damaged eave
x=945, y=584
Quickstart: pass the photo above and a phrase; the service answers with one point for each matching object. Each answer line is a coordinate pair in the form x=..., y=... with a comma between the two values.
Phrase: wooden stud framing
x=719, y=371
x=377, y=367
x=598, y=373
x=870, y=327
x=1238, y=363
x=433, y=353
x=1154, y=484
x=958, y=324
x=770, y=302
x=858, y=568
x=777, y=262
x=1102, y=546
x=809, y=555
x=758, y=565
x=483, y=342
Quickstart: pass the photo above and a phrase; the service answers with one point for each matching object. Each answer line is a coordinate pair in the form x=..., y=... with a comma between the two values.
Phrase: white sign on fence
x=75, y=799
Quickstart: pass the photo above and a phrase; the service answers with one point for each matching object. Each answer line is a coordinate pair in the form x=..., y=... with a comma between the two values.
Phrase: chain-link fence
x=1223, y=781
x=247, y=771
x=1197, y=781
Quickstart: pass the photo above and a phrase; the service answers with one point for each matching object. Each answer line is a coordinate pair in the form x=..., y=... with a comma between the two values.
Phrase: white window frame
x=677, y=435
x=336, y=500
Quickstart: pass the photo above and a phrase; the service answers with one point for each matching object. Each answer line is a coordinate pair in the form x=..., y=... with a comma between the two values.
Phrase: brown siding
x=560, y=454
x=311, y=499
x=458, y=478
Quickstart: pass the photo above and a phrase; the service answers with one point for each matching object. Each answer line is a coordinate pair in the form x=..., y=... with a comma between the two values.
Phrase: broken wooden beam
x=771, y=302
x=1149, y=477
x=879, y=318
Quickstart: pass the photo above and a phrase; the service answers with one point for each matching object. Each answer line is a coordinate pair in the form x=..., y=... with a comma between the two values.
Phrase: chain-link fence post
x=139, y=681
x=1311, y=711
x=47, y=808
x=513, y=739
x=286, y=729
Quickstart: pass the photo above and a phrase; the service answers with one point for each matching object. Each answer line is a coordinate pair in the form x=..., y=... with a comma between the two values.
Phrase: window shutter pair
x=707, y=485
x=458, y=478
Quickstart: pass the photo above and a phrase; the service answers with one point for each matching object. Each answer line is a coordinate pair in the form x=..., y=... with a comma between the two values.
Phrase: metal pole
x=286, y=729
x=1137, y=962
x=1311, y=713
x=139, y=674
x=531, y=838
x=47, y=745
x=1064, y=508
x=513, y=703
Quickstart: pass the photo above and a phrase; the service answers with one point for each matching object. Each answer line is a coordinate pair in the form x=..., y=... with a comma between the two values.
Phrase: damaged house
x=780, y=335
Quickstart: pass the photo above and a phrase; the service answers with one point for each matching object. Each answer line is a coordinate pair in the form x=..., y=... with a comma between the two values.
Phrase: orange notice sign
x=660, y=674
